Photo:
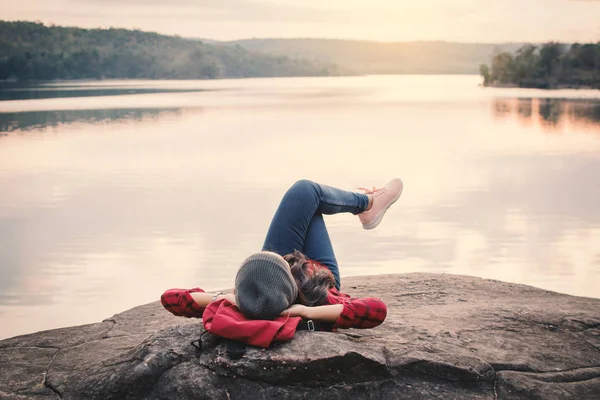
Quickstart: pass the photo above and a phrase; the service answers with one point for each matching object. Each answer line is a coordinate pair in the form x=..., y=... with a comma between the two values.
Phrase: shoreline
x=550, y=87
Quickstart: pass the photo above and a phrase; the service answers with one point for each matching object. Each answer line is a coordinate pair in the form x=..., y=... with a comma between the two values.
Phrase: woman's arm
x=328, y=313
x=357, y=313
x=204, y=299
x=190, y=303
x=362, y=313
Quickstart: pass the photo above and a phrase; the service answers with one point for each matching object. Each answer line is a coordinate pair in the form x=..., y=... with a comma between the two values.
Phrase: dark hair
x=313, y=282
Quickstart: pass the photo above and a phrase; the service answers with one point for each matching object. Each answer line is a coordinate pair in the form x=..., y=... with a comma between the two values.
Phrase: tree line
x=33, y=51
x=551, y=65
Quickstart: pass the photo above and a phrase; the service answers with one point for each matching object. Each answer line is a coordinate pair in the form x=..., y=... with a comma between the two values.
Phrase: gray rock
x=445, y=337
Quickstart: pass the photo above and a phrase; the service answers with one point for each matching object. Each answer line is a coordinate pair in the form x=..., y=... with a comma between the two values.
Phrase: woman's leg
x=317, y=246
x=299, y=218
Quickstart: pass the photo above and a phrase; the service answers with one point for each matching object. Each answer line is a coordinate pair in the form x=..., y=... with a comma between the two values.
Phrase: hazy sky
x=387, y=20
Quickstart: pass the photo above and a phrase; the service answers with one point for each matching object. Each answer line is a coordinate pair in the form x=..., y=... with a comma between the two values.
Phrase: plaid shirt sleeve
x=180, y=302
x=361, y=313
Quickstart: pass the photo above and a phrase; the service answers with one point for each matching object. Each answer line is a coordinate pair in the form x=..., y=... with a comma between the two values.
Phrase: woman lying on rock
x=297, y=274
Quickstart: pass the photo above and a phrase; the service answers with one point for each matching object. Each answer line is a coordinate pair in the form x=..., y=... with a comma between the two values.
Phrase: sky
x=382, y=20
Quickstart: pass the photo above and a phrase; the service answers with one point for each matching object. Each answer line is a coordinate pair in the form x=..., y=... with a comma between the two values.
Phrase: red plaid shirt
x=360, y=313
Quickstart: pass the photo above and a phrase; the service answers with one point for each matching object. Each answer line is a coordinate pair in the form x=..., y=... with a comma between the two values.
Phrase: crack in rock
x=45, y=381
x=495, y=387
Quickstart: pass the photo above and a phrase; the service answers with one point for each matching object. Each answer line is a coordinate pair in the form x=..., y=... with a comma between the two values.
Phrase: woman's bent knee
x=303, y=183
x=303, y=186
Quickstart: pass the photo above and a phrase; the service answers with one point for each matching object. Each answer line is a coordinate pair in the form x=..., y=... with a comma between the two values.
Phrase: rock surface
x=446, y=337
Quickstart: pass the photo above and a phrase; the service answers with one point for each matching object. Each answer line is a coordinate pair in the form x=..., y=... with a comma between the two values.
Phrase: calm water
x=112, y=192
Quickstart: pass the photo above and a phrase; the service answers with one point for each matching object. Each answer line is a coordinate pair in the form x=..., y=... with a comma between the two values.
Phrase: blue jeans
x=298, y=222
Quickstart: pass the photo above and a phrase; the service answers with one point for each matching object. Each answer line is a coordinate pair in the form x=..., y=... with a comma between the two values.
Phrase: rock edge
x=446, y=337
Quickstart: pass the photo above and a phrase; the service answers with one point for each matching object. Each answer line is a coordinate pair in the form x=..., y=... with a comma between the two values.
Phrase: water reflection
x=35, y=92
x=551, y=113
x=27, y=121
x=97, y=217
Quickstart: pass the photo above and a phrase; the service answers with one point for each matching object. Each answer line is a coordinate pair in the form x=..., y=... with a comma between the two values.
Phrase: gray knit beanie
x=264, y=286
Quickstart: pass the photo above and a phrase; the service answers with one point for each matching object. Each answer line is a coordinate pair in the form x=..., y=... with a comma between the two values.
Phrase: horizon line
x=53, y=25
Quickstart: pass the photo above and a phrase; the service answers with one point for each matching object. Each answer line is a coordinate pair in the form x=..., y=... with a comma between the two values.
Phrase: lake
x=113, y=191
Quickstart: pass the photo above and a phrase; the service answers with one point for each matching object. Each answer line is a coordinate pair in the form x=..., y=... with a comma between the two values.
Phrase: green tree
x=549, y=58
x=525, y=64
x=503, y=68
x=484, y=71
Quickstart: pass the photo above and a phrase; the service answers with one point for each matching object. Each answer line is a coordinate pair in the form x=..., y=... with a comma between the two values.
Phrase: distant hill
x=366, y=57
x=30, y=51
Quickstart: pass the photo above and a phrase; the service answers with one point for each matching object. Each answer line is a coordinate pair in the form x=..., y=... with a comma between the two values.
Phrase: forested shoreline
x=550, y=66
x=33, y=51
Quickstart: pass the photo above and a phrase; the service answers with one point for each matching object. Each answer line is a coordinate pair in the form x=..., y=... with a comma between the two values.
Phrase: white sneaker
x=383, y=198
